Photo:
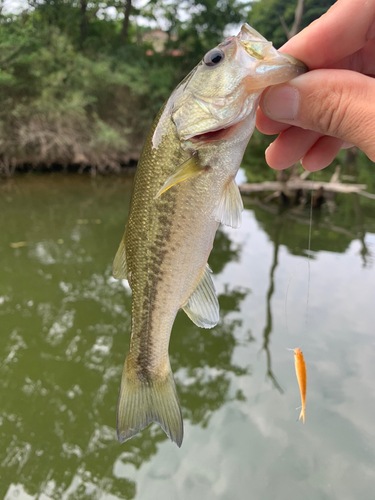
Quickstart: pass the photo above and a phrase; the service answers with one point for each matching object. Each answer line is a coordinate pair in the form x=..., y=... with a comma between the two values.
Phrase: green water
x=64, y=324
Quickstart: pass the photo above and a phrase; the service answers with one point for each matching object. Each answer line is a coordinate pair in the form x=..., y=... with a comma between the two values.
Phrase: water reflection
x=65, y=329
x=268, y=327
x=67, y=322
x=202, y=360
x=280, y=223
x=333, y=229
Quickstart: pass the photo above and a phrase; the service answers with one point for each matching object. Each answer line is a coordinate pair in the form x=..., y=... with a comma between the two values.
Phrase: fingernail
x=346, y=145
x=281, y=103
x=268, y=148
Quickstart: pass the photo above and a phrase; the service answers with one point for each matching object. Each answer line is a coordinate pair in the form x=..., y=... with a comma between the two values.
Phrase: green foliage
x=72, y=92
x=83, y=97
x=254, y=163
x=62, y=106
x=265, y=16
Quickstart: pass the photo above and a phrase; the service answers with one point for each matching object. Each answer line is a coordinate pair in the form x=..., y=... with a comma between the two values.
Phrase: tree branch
x=297, y=21
x=125, y=23
x=335, y=187
x=285, y=27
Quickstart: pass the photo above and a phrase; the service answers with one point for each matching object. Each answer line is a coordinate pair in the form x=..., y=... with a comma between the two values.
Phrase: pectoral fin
x=189, y=168
x=202, y=306
x=230, y=206
x=119, y=268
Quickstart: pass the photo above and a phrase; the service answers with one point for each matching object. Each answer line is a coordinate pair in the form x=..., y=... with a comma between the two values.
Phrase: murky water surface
x=64, y=325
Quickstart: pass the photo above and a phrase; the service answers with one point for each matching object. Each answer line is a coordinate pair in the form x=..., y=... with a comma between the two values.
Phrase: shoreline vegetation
x=80, y=83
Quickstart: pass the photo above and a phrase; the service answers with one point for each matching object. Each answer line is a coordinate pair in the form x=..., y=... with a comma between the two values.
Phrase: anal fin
x=230, y=206
x=203, y=306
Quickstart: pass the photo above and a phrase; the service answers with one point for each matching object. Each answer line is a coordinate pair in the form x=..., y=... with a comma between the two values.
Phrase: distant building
x=158, y=38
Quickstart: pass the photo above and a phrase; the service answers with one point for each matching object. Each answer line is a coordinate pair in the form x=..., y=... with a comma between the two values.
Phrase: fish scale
x=184, y=187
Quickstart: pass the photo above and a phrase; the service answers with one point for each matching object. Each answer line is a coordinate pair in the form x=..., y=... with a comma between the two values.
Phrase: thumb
x=337, y=103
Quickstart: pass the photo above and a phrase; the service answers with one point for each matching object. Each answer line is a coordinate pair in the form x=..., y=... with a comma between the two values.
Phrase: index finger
x=341, y=31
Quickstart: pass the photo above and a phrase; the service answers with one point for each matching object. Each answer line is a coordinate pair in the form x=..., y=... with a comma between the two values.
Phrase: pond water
x=64, y=325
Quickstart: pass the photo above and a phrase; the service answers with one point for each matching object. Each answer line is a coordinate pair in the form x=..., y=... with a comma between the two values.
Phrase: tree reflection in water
x=203, y=359
x=333, y=230
x=65, y=331
x=65, y=334
x=268, y=327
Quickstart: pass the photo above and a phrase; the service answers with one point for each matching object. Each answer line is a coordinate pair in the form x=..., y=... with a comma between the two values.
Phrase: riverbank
x=118, y=168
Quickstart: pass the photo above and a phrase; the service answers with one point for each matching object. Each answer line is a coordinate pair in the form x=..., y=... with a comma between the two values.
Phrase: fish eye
x=214, y=57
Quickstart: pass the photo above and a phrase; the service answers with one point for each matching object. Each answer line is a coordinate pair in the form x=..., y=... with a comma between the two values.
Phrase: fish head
x=225, y=87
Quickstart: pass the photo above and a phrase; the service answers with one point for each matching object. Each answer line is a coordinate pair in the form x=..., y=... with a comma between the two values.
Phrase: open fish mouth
x=218, y=134
x=214, y=135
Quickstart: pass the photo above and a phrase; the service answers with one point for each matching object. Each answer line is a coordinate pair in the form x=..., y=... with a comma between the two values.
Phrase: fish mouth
x=211, y=136
x=219, y=134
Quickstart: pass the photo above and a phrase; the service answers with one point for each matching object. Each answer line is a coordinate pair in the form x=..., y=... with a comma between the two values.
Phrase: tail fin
x=302, y=415
x=143, y=402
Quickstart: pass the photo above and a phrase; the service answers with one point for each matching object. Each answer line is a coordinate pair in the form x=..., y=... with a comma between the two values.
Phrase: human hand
x=332, y=106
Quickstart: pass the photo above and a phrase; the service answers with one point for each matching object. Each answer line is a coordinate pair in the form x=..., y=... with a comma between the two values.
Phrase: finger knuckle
x=330, y=111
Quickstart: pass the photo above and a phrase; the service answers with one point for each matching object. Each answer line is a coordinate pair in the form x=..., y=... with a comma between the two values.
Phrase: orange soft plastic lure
x=300, y=366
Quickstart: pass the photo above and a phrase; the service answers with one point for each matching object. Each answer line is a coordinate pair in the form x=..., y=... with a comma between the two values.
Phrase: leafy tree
x=198, y=25
x=266, y=16
x=80, y=86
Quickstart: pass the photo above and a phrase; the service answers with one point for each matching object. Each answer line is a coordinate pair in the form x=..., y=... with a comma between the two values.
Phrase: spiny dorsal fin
x=230, y=206
x=189, y=168
x=202, y=306
x=119, y=268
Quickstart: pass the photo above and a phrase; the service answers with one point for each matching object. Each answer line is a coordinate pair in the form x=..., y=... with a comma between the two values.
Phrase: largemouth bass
x=183, y=189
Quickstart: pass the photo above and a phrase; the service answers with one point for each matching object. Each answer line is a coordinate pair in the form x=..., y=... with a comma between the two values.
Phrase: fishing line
x=309, y=254
x=308, y=269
